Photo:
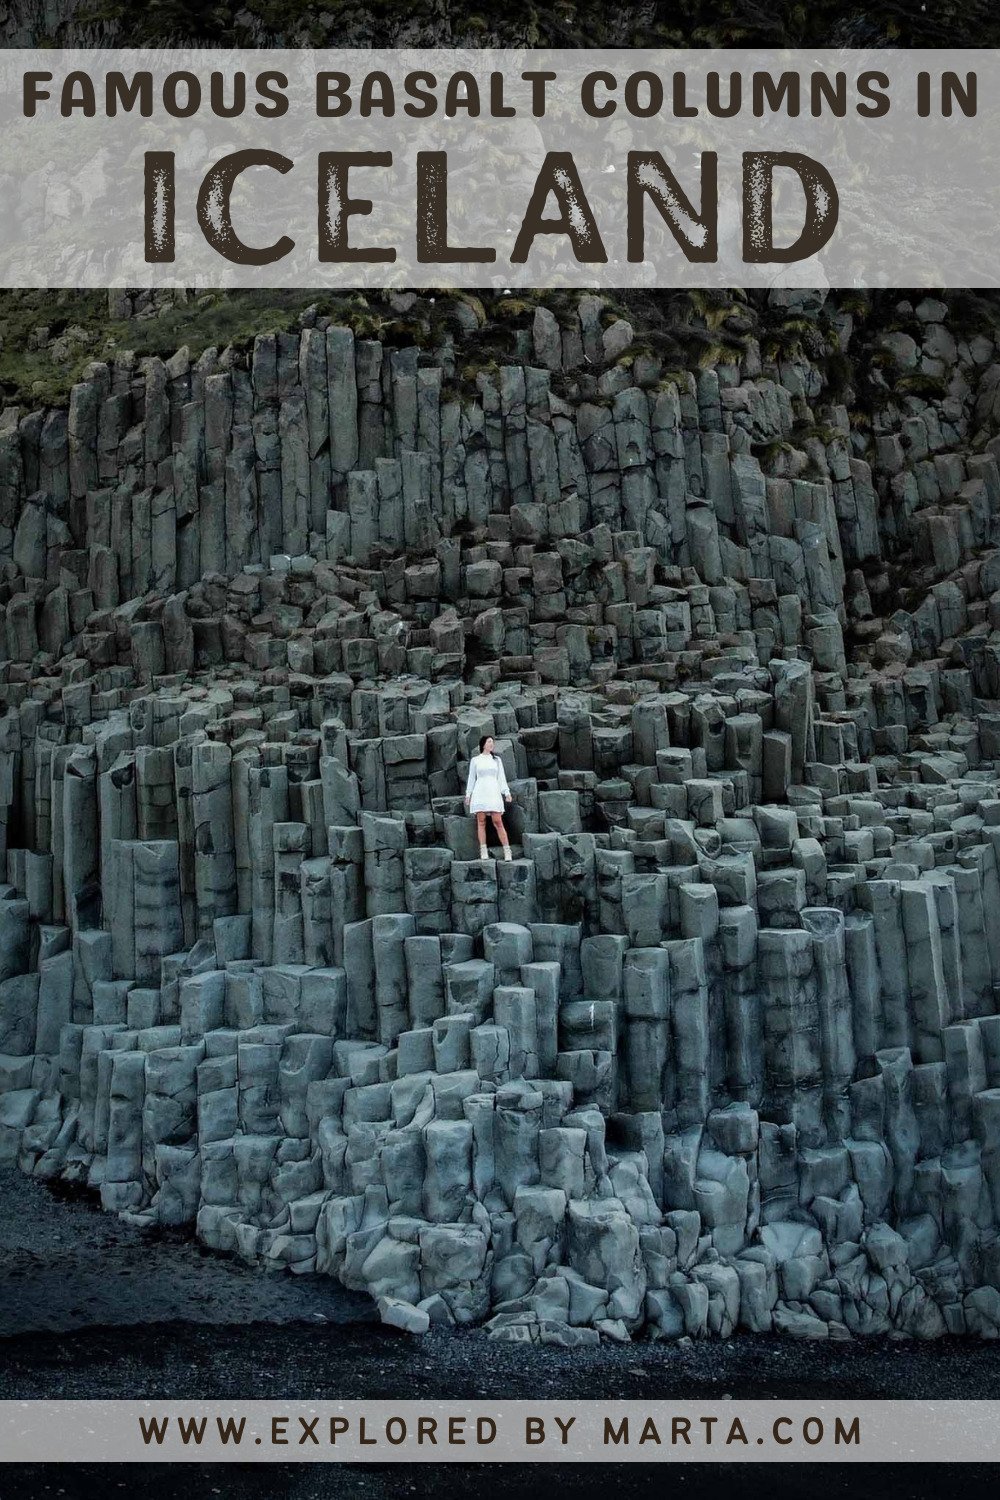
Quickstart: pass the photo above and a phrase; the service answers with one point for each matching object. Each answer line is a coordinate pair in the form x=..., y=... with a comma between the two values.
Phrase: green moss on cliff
x=567, y=23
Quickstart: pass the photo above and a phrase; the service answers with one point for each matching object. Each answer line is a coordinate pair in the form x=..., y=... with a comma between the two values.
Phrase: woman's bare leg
x=481, y=833
x=497, y=820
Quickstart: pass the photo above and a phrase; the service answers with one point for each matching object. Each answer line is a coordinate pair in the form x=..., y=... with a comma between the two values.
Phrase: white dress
x=487, y=784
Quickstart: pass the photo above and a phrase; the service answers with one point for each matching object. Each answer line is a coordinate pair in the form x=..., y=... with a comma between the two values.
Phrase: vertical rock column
x=342, y=405
x=118, y=814
x=884, y=900
x=317, y=911
x=313, y=379
x=156, y=806
x=291, y=847
x=211, y=495
x=122, y=1184
x=159, y=926
x=865, y=982
x=825, y=925
x=977, y=978
x=384, y=843
x=81, y=855
x=267, y=793
x=689, y=1029
x=929, y=1004
x=389, y=935
x=793, y=1091
x=744, y=1039
x=215, y=850
x=183, y=784
x=648, y=1081
x=347, y=887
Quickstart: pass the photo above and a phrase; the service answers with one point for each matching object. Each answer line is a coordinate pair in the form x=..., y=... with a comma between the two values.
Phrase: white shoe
x=483, y=852
x=506, y=852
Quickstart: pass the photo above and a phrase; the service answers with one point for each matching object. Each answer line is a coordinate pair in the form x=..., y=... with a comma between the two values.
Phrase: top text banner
x=326, y=169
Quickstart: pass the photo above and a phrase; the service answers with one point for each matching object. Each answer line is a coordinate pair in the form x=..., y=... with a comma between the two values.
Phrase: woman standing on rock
x=486, y=791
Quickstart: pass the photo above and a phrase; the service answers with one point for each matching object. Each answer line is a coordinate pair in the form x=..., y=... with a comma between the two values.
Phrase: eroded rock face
x=719, y=1047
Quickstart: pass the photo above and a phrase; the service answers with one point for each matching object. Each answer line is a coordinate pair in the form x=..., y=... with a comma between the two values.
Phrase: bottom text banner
x=500, y=1431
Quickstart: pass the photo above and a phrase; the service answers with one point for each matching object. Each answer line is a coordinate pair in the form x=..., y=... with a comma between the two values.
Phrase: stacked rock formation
x=720, y=1047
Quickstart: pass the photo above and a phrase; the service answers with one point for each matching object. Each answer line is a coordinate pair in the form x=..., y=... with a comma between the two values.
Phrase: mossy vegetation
x=567, y=23
x=48, y=337
x=80, y=321
x=929, y=387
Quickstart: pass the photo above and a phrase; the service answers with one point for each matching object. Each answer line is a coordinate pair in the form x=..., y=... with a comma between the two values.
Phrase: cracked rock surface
x=719, y=1048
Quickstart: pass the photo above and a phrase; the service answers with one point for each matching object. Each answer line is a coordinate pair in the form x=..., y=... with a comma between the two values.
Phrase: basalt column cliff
x=720, y=1047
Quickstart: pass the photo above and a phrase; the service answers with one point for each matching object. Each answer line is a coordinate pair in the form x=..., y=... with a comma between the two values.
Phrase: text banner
x=501, y=1431
x=504, y=169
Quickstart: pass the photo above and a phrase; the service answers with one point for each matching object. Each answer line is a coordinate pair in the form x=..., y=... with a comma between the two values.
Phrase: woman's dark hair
x=482, y=742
